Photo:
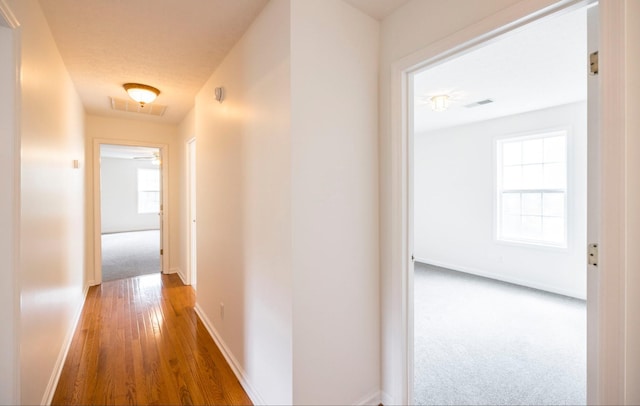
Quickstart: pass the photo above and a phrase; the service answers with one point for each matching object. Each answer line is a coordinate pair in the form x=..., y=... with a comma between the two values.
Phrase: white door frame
x=10, y=215
x=192, y=278
x=606, y=342
x=97, y=213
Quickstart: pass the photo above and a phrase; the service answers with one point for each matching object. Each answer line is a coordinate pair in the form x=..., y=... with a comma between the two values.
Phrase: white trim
x=237, y=369
x=374, y=399
x=613, y=187
x=7, y=15
x=181, y=274
x=97, y=223
x=481, y=33
x=12, y=262
x=386, y=399
x=490, y=275
x=64, y=352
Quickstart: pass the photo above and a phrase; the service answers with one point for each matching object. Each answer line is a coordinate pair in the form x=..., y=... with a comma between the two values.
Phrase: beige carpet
x=483, y=342
x=126, y=255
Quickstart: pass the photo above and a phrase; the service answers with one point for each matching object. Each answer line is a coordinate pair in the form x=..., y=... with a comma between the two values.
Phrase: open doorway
x=130, y=223
x=499, y=220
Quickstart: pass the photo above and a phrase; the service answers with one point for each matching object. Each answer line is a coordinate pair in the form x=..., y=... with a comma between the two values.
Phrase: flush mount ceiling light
x=439, y=102
x=141, y=93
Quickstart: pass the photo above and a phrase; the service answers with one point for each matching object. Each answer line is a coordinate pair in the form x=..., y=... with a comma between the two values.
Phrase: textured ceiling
x=377, y=9
x=540, y=66
x=174, y=45
x=127, y=151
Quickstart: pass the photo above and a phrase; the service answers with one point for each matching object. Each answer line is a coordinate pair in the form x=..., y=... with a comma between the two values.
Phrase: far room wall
x=119, y=197
x=455, y=203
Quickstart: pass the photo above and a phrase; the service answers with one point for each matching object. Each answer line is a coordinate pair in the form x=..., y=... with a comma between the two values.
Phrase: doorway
x=130, y=217
x=485, y=215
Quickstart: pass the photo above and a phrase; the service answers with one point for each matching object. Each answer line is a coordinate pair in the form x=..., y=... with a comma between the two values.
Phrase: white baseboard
x=490, y=275
x=386, y=399
x=372, y=399
x=64, y=351
x=181, y=274
x=255, y=397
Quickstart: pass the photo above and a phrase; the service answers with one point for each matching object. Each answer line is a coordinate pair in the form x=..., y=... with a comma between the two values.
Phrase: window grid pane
x=148, y=190
x=532, y=189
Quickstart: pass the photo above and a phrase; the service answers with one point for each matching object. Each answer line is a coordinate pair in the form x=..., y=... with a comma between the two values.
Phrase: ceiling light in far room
x=143, y=94
x=439, y=102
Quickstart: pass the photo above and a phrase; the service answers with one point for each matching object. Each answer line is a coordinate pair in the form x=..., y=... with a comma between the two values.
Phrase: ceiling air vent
x=478, y=103
x=134, y=107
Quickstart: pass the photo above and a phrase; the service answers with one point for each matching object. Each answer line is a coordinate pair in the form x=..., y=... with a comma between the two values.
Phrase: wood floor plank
x=139, y=341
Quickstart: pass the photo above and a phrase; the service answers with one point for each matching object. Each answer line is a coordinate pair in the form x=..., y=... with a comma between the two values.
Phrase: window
x=148, y=190
x=532, y=189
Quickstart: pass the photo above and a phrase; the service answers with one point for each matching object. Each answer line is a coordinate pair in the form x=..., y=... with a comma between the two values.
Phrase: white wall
x=287, y=211
x=334, y=51
x=52, y=205
x=119, y=196
x=244, y=204
x=454, y=190
x=107, y=128
x=9, y=161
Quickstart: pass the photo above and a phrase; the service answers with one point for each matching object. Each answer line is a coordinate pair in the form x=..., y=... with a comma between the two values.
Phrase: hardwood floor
x=139, y=341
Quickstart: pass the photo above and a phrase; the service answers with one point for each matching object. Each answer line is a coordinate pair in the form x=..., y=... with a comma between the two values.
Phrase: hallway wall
x=334, y=207
x=243, y=205
x=52, y=278
x=287, y=205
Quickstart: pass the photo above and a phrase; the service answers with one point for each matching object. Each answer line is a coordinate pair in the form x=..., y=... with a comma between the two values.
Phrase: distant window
x=148, y=190
x=532, y=189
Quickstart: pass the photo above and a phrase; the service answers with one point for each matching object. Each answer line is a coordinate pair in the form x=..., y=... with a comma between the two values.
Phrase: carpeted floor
x=125, y=255
x=483, y=342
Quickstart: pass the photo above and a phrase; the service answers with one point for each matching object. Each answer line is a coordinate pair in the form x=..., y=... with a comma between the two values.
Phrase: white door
x=593, y=205
x=9, y=215
x=191, y=162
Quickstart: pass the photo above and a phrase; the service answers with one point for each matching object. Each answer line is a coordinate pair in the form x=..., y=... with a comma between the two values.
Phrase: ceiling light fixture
x=440, y=102
x=143, y=94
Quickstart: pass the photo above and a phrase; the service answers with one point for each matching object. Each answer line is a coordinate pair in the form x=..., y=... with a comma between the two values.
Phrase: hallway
x=139, y=341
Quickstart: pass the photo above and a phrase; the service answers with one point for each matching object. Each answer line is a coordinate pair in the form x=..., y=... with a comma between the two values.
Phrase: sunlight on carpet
x=126, y=255
x=483, y=342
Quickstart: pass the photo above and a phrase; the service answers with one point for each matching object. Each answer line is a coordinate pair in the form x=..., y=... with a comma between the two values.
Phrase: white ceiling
x=127, y=151
x=540, y=66
x=174, y=45
x=377, y=9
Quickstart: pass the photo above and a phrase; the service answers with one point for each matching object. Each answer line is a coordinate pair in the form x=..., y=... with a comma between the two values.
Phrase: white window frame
x=143, y=208
x=498, y=206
